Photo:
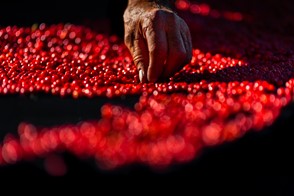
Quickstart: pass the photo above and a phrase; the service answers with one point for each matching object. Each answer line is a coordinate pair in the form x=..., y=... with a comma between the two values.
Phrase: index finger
x=157, y=47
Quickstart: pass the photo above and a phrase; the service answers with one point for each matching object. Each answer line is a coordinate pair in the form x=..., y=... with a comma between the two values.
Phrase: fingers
x=141, y=57
x=157, y=47
x=178, y=48
x=136, y=43
x=160, y=45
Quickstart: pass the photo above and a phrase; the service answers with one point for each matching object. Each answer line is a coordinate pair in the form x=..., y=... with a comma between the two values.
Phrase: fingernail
x=141, y=75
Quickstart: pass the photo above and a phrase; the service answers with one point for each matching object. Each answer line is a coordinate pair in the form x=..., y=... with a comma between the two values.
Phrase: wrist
x=164, y=3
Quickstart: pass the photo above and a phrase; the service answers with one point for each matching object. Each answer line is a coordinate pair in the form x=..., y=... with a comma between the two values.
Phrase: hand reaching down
x=157, y=38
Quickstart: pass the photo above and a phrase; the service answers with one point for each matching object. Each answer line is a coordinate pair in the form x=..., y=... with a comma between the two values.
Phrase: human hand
x=157, y=38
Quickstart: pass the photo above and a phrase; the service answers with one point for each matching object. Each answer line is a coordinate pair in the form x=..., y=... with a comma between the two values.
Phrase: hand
x=157, y=38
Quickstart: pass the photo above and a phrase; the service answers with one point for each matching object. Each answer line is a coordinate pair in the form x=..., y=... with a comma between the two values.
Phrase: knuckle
x=137, y=58
x=128, y=39
x=158, y=14
x=150, y=31
x=131, y=38
x=148, y=27
x=147, y=23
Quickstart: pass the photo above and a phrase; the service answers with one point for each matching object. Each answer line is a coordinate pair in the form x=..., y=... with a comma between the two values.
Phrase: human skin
x=157, y=38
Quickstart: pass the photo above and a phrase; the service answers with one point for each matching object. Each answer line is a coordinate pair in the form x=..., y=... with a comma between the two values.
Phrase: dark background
x=258, y=164
x=86, y=12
